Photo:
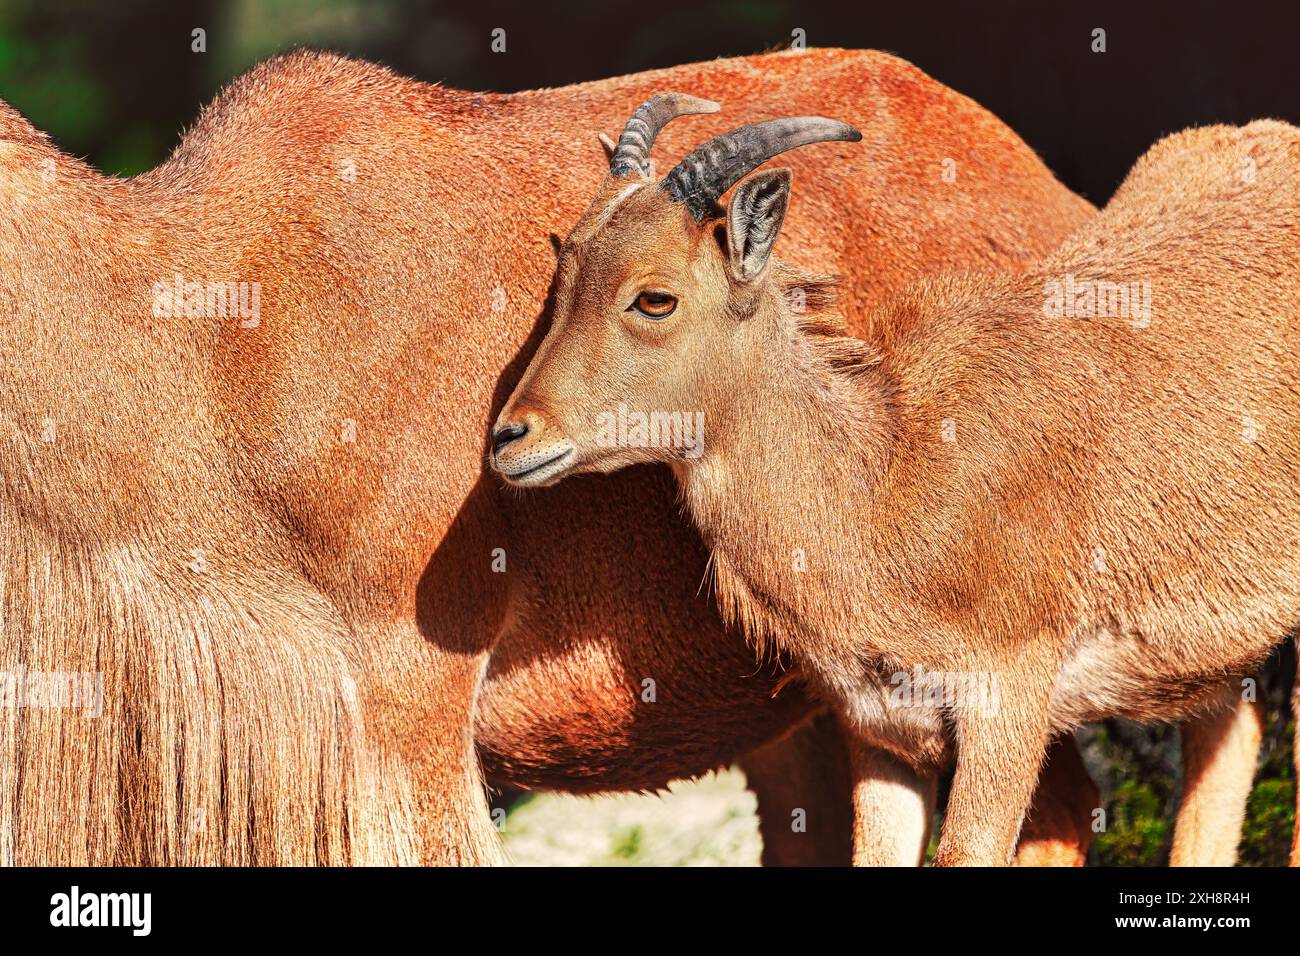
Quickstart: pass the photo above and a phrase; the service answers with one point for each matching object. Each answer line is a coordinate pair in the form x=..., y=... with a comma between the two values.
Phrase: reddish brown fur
x=315, y=547
x=561, y=707
x=803, y=786
x=346, y=596
x=976, y=556
x=1059, y=825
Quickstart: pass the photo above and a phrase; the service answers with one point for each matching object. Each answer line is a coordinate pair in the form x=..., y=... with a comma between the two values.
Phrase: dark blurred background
x=116, y=82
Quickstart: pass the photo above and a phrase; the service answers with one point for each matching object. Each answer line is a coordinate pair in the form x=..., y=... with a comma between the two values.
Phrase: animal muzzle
x=528, y=452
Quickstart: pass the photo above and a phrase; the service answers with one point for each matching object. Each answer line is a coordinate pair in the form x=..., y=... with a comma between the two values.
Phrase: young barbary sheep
x=1030, y=502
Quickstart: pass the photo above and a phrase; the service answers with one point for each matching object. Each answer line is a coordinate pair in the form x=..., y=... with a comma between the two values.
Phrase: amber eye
x=654, y=305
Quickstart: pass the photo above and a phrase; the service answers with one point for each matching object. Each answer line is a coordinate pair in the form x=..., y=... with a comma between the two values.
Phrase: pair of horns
x=713, y=168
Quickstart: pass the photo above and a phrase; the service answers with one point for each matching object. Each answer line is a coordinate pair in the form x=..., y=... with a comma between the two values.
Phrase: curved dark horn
x=633, y=150
x=712, y=169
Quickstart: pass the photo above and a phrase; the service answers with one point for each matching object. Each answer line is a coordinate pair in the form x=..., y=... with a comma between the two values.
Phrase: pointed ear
x=608, y=145
x=754, y=220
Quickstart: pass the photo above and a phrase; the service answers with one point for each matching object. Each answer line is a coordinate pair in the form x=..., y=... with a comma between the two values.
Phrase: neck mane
x=781, y=496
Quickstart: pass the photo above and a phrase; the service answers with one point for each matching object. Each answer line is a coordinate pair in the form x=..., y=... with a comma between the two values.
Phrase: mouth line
x=554, y=460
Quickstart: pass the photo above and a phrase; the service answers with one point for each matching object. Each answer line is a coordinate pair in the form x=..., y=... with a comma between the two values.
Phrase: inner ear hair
x=754, y=220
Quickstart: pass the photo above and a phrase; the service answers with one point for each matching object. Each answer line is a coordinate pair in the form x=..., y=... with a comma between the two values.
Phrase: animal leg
x=1220, y=750
x=892, y=808
x=418, y=702
x=1058, y=827
x=999, y=753
x=804, y=791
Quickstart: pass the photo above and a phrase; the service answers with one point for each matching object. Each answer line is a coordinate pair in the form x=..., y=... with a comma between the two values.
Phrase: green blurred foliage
x=627, y=843
x=1270, y=814
x=118, y=82
x=1139, y=831
x=47, y=78
x=1139, y=772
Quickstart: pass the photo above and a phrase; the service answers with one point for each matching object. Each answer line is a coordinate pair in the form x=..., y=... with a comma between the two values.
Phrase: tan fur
x=804, y=788
x=1100, y=538
x=1058, y=827
x=372, y=670
x=1220, y=753
x=892, y=807
x=306, y=695
x=561, y=707
x=181, y=514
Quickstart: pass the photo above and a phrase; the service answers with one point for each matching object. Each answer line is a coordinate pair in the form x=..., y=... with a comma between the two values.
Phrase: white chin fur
x=539, y=468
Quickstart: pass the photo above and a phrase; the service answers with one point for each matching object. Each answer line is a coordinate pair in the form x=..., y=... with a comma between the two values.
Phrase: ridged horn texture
x=633, y=150
x=713, y=168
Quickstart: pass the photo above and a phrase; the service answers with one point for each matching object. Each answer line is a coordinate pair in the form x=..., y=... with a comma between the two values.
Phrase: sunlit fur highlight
x=978, y=554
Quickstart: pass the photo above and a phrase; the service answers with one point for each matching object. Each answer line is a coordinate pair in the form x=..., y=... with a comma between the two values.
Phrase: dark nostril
x=506, y=434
